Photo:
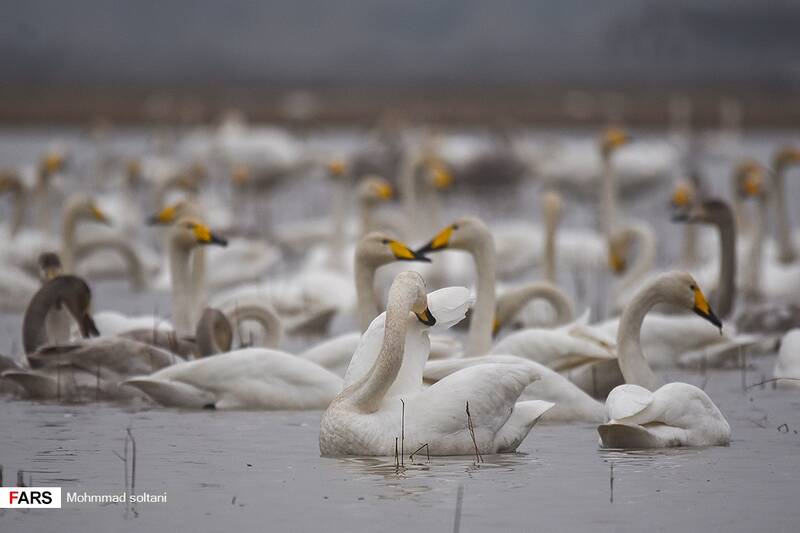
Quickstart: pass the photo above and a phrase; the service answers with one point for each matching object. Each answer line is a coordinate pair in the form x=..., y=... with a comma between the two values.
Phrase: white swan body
x=252, y=378
x=640, y=413
x=675, y=414
x=366, y=417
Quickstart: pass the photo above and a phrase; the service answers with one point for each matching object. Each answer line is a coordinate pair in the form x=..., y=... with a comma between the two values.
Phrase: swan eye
x=692, y=287
x=455, y=226
x=384, y=241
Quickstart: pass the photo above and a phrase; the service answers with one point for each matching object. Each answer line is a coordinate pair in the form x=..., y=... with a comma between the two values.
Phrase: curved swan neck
x=479, y=338
x=265, y=316
x=133, y=264
x=365, y=292
x=68, y=231
x=368, y=393
x=632, y=363
x=512, y=302
x=786, y=253
x=213, y=334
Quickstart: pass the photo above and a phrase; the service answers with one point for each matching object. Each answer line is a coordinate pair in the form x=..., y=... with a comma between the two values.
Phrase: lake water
x=245, y=471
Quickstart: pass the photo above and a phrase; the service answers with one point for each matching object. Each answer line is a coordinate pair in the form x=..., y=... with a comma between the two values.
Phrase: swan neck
x=68, y=230
x=752, y=273
x=539, y=290
x=645, y=257
x=632, y=363
x=727, y=268
x=368, y=393
x=479, y=338
x=181, y=299
x=689, y=251
x=550, y=228
x=786, y=251
x=365, y=292
x=608, y=196
x=266, y=317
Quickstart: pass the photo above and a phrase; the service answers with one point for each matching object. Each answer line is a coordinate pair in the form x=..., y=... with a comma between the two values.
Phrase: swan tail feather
x=524, y=416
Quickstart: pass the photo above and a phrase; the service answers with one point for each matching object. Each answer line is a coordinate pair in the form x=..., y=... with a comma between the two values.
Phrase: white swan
x=365, y=419
x=640, y=413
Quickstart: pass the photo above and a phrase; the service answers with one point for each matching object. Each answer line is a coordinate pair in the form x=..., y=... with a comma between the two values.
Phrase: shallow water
x=254, y=470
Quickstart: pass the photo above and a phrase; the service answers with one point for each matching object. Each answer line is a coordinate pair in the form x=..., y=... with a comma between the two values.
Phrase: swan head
x=52, y=163
x=552, y=205
x=377, y=249
x=681, y=289
x=336, y=168
x=711, y=211
x=749, y=179
x=87, y=209
x=466, y=233
x=612, y=139
x=49, y=266
x=171, y=213
x=437, y=174
x=786, y=157
x=374, y=189
x=413, y=283
x=189, y=233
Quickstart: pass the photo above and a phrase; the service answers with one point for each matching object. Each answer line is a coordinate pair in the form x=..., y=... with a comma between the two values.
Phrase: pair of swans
x=383, y=394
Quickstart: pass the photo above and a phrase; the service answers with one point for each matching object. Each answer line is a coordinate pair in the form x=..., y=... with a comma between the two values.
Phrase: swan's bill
x=702, y=308
x=165, y=216
x=440, y=241
x=204, y=235
x=402, y=252
x=98, y=214
x=426, y=317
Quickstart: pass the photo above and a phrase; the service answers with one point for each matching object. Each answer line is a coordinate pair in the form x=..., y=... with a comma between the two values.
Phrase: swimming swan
x=365, y=418
x=640, y=413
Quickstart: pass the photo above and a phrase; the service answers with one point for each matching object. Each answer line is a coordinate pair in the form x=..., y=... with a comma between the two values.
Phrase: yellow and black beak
x=426, y=317
x=99, y=215
x=402, y=252
x=165, y=216
x=206, y=236
x=337, y=168
x=495, y=327
x=384, y=191
x=442, y=177
x=439, y=242
x=616, y=262
x=703, y=309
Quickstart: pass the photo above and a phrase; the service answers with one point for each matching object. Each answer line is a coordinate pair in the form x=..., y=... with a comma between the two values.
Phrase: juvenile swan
x=643, y=415
x=366, y=417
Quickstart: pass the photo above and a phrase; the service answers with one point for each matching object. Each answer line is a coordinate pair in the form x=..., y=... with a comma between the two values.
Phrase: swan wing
x=626, y=401
x=449, y=306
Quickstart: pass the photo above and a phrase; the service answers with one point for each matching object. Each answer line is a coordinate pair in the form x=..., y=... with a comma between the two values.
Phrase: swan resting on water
x=367, y=416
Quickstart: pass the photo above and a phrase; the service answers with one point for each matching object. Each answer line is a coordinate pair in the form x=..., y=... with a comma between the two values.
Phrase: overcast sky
x=410, y=42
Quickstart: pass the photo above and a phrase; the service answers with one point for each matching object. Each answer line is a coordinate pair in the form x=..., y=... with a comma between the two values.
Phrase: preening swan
x=640, y=413
x=365, y=418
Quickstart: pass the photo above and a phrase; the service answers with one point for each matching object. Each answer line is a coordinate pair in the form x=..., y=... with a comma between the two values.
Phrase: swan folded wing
x=257, y=378
x=491, y=389
x=626, y=401
x=524, y=416
x=721, y=353
x=556, y=349
x=438, y=370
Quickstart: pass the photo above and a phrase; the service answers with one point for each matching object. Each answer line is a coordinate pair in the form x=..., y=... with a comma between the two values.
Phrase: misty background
x=197, y=45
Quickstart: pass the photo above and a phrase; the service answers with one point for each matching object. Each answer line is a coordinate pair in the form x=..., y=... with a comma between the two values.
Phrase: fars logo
x=30, y=497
